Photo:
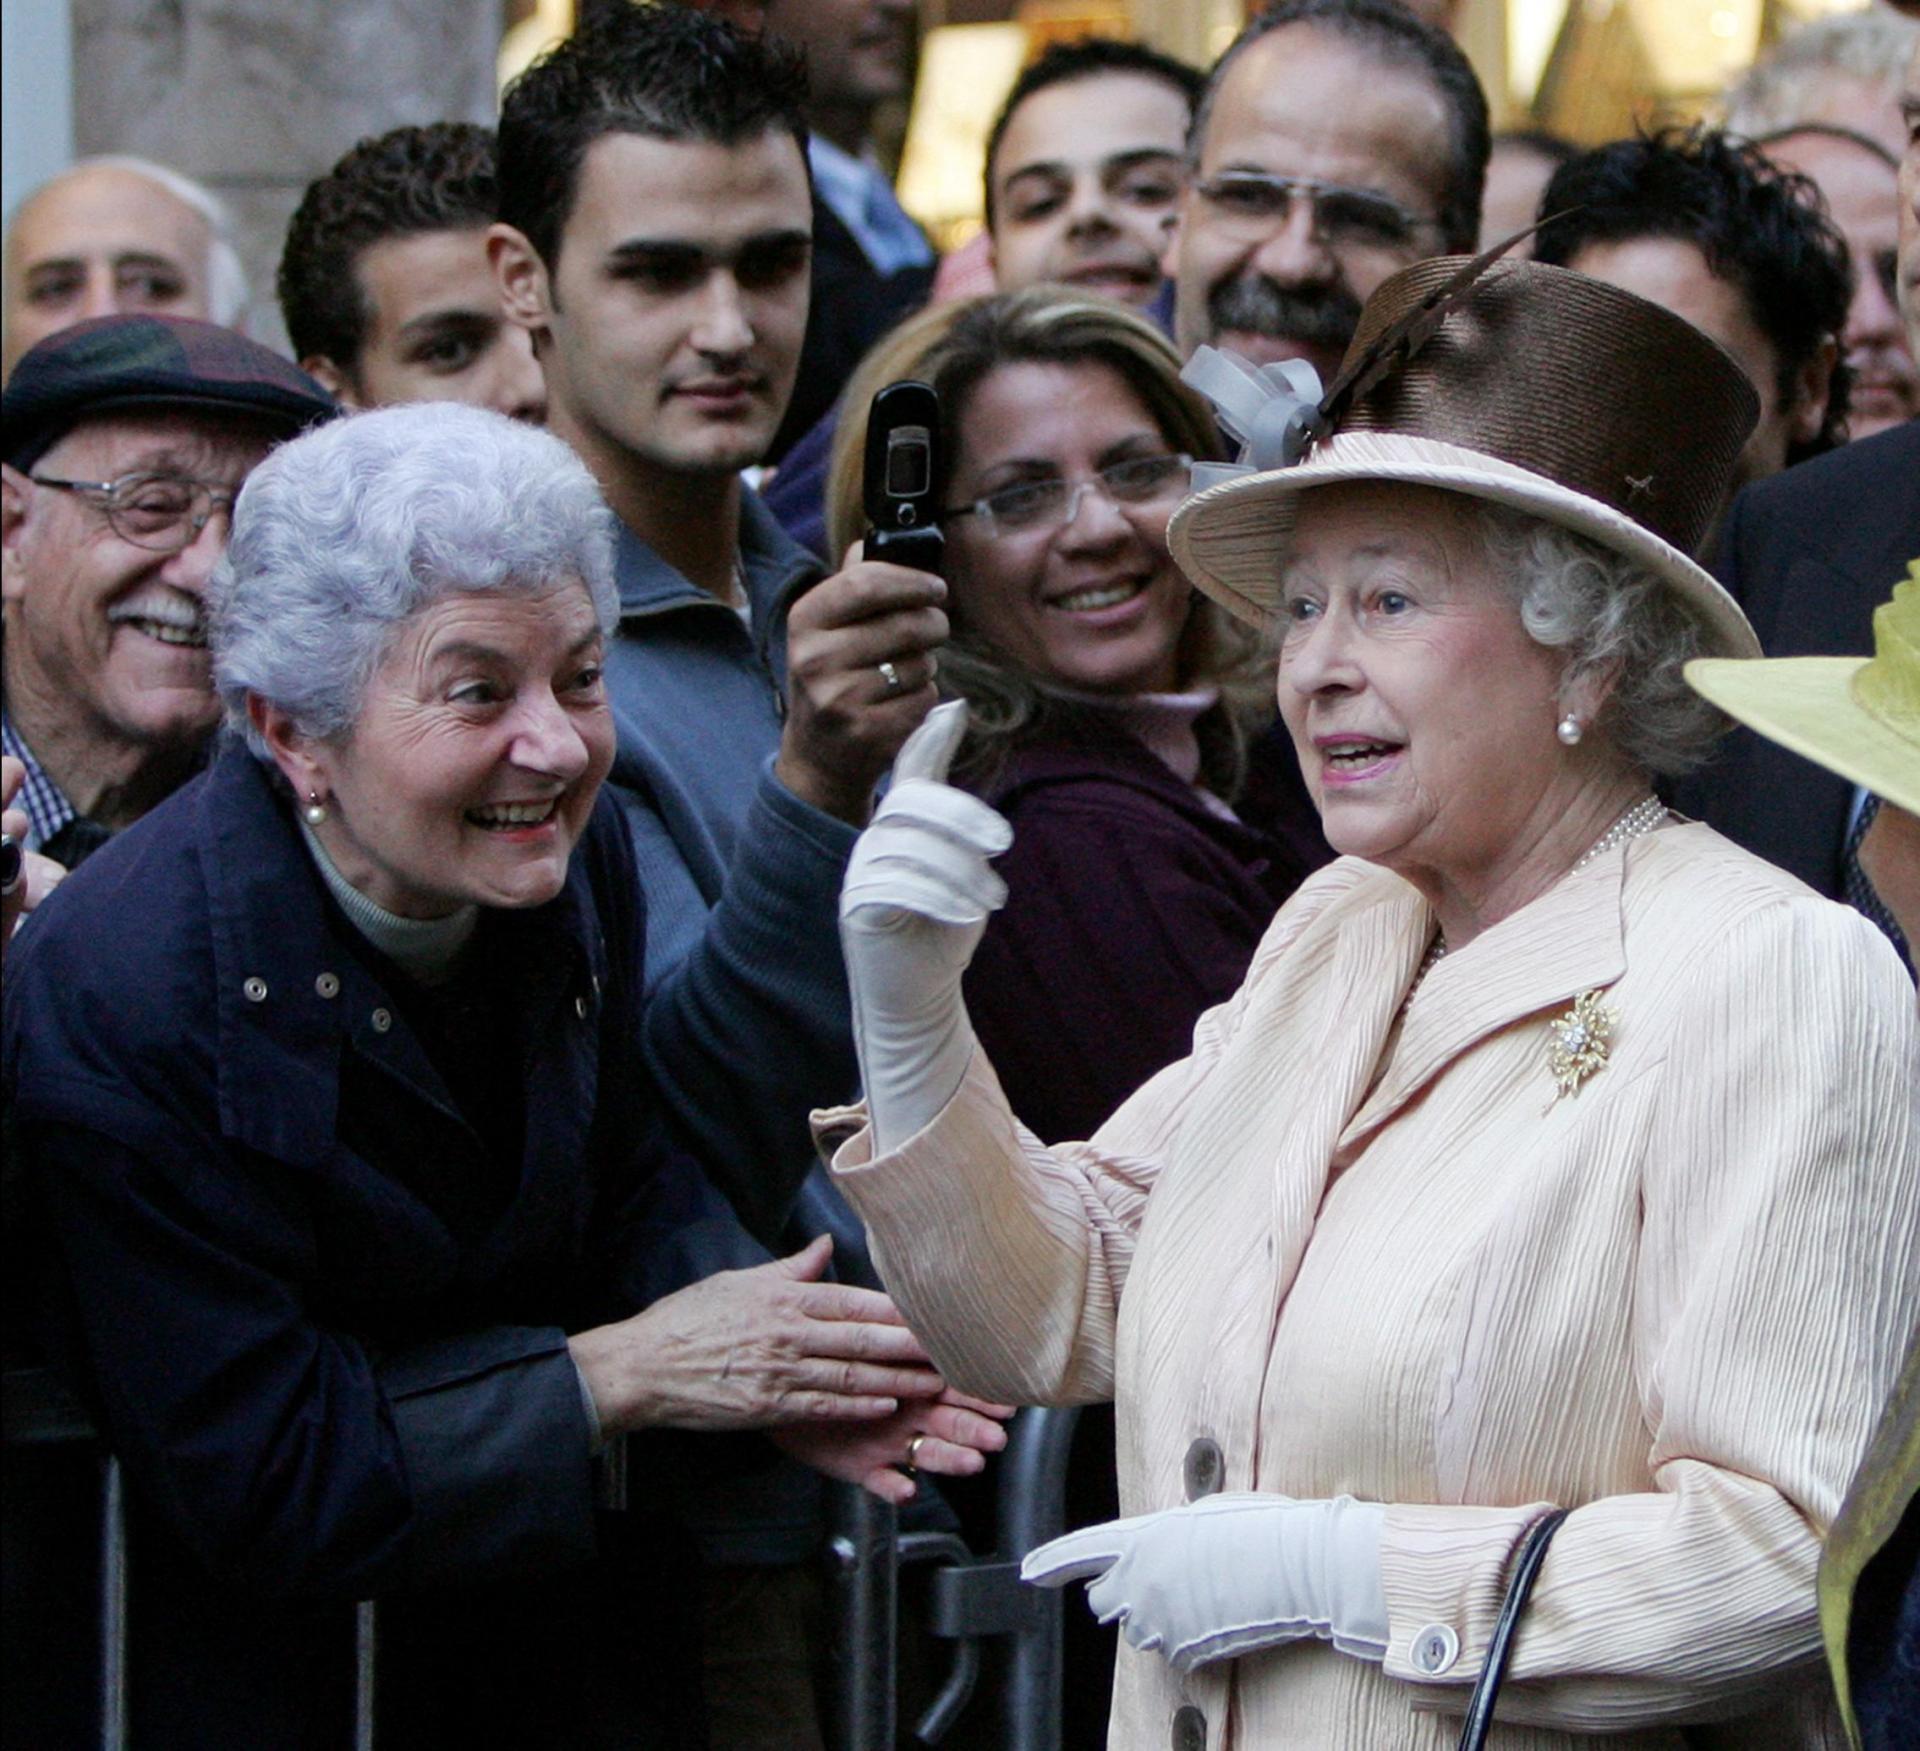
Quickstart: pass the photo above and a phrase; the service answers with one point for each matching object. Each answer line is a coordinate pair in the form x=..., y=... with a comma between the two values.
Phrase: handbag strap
x=1526, y=1570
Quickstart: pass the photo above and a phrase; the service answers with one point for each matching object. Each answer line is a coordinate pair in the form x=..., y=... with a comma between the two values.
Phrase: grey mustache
x=1254, y=304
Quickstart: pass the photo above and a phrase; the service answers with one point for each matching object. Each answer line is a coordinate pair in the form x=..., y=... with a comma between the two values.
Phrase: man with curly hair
x=1702, y=223
x=384, y=280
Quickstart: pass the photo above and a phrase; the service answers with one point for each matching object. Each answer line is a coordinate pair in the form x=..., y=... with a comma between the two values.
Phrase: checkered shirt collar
x=45, y=802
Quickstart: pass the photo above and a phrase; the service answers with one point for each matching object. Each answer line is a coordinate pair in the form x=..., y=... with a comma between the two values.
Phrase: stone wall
x=256, y=98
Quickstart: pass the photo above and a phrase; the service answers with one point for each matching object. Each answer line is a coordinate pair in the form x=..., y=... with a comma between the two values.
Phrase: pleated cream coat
x=1673, y=1301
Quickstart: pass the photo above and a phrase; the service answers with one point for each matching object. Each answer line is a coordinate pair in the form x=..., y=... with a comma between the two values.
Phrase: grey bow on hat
x=1278, y=411
x=1274, y=410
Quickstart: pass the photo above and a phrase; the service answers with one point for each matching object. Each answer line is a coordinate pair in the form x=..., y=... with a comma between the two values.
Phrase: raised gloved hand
x=1231, y=1574
x=918, y=894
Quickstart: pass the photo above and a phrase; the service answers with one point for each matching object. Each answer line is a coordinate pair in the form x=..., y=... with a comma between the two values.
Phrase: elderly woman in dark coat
x=329, y=1088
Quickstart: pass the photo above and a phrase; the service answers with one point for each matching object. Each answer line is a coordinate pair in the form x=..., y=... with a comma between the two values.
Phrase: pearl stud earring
x=316, y=809
x=1569, y=730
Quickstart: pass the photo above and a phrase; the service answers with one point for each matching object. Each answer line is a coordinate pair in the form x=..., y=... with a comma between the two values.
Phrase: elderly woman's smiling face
x=1423, y=713
x=472, y=768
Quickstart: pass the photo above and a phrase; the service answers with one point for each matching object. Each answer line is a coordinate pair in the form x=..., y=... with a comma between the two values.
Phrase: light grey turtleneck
x=426, y=949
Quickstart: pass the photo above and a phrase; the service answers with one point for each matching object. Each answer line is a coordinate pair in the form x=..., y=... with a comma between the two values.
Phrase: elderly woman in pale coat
x=1555, y=1153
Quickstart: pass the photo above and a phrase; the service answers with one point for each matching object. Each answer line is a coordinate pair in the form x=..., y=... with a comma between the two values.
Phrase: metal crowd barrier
x=37, y=1411
x=971, y=1599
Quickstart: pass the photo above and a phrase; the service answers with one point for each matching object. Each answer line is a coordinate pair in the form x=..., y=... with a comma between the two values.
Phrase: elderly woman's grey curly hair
x=1608, y=612
x=343, y=535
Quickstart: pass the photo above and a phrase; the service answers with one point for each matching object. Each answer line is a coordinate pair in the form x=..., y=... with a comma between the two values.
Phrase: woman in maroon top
x=1112, y=708
x=1116, y=717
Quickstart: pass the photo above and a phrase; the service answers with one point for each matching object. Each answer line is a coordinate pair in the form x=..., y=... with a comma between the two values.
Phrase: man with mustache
x=1338, y=141
x=127, y=438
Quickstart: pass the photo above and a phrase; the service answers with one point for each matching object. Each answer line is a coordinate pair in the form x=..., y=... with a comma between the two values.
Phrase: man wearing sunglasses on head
x=126, y=439
x=1337, y=141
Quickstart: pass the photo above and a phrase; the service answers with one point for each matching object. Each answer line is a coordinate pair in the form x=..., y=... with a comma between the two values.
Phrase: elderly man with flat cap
x=125, y=440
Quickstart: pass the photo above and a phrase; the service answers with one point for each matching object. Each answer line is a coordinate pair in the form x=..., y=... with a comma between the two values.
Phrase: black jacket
x=324, y=1331
x=1809, y=554
x=852, y=305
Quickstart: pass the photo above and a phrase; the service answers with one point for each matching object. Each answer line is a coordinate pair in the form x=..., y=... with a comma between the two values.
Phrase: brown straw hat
x=1528, y=385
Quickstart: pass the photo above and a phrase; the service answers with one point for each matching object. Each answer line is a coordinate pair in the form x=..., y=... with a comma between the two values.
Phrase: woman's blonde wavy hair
x=955, y=347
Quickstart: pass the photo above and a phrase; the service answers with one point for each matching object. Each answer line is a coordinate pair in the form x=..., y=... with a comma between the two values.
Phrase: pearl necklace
x=1645, y=815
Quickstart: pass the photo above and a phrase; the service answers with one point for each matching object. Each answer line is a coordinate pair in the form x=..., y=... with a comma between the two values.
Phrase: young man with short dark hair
x=654, y=240
x=1084, y=168
x=384, y=280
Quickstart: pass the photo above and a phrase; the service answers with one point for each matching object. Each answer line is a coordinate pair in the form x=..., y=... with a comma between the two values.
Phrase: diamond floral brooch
x=1580, y=1042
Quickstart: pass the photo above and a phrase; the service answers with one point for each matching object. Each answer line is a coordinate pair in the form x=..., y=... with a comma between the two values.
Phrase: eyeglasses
x=1252, y=205
x=163, y=513
x=1034, y=505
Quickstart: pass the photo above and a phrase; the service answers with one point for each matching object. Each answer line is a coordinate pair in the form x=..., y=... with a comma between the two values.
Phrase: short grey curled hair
x=343, y=535
x=1605, y=610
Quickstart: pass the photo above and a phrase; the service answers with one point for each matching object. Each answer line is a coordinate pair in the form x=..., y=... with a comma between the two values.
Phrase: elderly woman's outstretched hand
x=950, y=1436
x=918, y=893
x=1228, y=1575
x=755, y=1348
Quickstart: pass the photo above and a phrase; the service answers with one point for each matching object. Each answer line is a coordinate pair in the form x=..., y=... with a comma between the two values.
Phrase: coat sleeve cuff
x=498, y=1449
x=1445, y=1570
x=826, y=834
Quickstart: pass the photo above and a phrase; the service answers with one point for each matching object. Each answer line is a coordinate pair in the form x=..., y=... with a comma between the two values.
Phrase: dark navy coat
x=326, y=1338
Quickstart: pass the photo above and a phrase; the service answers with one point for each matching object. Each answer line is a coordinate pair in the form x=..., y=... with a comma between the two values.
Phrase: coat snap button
x=1189, y=1729
x=256, y=990
x=328, y=985
x=580, y=1007
x=1205, y=1469
x=1435, y=1648
x=382, y=1020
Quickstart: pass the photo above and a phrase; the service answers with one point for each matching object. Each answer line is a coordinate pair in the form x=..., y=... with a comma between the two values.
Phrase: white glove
x=917, y=896
x=1231, y=1574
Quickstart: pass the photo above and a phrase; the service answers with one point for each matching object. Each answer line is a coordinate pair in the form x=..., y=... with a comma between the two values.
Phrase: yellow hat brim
x=1807, y=704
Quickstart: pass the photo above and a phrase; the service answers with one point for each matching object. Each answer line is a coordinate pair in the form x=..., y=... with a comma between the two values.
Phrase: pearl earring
x=316, y=809
x=1569, y=730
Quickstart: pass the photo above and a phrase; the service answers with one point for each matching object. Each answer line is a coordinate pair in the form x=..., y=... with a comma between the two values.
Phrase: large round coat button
x=1435, y=1648
x=1189, y=1729
x=382, y=1020
x=1205, y=1469
x=255, y=990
